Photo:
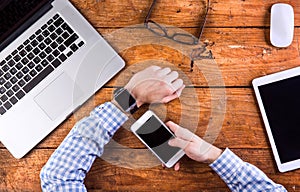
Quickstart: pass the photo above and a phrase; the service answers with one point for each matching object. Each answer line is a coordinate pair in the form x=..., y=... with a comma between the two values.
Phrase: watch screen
x=125, y=100
x=157, y=136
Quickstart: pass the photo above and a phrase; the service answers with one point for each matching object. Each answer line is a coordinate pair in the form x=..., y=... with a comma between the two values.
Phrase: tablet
x=278, y=97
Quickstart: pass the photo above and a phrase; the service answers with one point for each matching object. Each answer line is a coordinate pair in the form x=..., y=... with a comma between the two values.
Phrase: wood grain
x=230, y=13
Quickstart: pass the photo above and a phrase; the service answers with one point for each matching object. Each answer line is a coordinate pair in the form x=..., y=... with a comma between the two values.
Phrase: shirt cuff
x=226, y=165
x=112, y=117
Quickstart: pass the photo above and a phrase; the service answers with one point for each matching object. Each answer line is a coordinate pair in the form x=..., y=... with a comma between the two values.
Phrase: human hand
x=155, y=85
x=193, y=146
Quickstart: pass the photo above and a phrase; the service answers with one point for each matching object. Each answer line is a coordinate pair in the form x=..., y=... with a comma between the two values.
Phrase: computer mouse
x=282, y=25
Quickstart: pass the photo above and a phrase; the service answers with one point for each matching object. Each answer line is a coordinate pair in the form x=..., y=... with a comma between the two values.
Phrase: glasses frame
x=194, y=41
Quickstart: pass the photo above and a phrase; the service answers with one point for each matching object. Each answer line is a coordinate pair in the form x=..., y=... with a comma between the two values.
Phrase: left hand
x=155, y=85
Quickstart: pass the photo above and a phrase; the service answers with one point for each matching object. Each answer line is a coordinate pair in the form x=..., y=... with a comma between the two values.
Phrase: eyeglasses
x=187, y=39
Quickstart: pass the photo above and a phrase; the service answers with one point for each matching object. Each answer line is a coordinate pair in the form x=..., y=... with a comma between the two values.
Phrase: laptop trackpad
x=58, y=96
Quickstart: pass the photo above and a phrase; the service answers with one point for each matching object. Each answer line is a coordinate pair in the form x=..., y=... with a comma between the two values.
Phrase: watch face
x=125, y=99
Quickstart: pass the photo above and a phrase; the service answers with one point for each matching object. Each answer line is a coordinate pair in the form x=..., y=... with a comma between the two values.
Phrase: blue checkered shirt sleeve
x=242, y=176
x=68, y=165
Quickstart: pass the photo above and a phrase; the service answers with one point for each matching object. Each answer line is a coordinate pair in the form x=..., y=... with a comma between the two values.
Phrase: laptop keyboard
x=35, y=59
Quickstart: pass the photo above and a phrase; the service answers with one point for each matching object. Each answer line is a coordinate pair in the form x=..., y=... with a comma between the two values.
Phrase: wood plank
x=240, y=54
x=104, y=176
x=242, y=119
x=230, y=13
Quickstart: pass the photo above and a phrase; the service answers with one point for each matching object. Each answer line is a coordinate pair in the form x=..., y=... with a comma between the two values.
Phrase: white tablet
x=278, y=97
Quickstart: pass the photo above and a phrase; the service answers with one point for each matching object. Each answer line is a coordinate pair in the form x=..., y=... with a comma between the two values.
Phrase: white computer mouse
x=282, y=25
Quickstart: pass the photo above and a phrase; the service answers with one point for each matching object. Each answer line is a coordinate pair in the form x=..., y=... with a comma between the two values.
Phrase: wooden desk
x=237, y=33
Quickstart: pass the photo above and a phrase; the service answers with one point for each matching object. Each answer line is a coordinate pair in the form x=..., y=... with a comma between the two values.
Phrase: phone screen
x=157, y=136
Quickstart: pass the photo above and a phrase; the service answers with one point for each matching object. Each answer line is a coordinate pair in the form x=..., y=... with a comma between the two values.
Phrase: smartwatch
x=125, y=100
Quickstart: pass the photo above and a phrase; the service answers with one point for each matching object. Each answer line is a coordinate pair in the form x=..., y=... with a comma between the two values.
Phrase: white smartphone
x=155, y=135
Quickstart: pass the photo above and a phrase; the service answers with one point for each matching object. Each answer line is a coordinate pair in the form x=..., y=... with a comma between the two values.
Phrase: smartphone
x=155, y=135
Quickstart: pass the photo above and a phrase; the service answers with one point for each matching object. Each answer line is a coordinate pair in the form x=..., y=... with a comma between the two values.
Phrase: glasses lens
x=156, y=28
x=185, y=39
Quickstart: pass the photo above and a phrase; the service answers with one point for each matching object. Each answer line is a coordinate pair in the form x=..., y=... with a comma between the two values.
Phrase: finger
x=171, y=76
x=164, y=71
x=185, y=134
x=179, y=91
x=154, y=68
x=178, y=142
x=169, y=98
x=177, y=84
x=173, y=96
x=173, y=126
x=177, y=166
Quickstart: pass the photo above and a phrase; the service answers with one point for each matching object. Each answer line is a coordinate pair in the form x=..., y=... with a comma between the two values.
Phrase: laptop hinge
x=29, y=22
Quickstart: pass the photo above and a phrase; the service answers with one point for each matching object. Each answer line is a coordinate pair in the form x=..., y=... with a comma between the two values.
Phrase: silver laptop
x=51, y=61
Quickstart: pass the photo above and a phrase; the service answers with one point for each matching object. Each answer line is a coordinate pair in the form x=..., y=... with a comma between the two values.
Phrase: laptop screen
x=14, y=13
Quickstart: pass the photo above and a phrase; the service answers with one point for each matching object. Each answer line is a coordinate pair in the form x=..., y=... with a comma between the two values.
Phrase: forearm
x=239, y=175
x=68, y=165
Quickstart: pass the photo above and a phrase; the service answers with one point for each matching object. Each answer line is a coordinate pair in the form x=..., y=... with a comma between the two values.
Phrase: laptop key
x=56, y=63
x=56, y=16
x=13, y=100
x=58, y=22
x=59, y=31
x=8, y=57
x=74, y=47
x=2, y=81
x=13, y=80
x=7, y=76
x=2, y=110
x=7, y=105
x=11, y=63
x=32, y=37
x=20, y=94
x=2, y=90
x=38, y=78
x=16, y=88
x=38, y=68
x=45, y=63
x=69, y=41
x=3, y=98
x=27, y=78
x=31, y=65
x=14, y=52
x=32, y=73
x=38, y=31
x=7, y=85
x=80, y=43
x=67, y=28
x=21, y=83
x=20, y=47
x=42, y=46
x=30, y=56
x=55, y=53
x=62, y=57
x=5, y=68
x=61, y=48
x=19, y=66
x=44, y=26
x=51, y=28
x=10, y=93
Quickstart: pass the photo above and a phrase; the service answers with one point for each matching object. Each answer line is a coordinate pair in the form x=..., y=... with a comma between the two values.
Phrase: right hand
x=193, y=146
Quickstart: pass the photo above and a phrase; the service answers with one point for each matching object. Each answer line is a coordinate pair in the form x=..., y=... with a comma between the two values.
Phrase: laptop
x=51, y=61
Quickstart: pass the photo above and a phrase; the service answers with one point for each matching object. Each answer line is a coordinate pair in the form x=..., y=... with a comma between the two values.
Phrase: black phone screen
x=281, y=101
x=157, y=136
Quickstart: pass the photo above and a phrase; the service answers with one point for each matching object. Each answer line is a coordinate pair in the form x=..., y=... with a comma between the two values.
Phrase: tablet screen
x=281, y=101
